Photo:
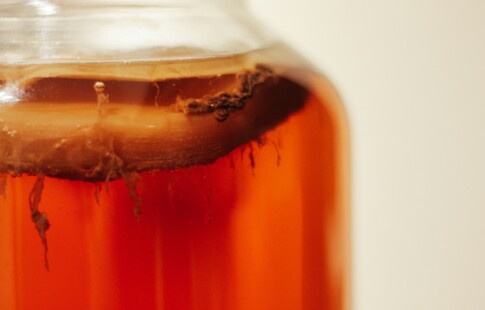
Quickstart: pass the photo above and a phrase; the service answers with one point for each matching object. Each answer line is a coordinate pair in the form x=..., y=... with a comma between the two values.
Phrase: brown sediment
x=278, y=154
x=97, y=192
x=39, y=218
x=132, y=179
x=251, y=158
x=177, y=123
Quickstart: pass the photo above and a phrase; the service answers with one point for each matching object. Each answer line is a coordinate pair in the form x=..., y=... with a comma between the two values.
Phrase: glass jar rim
x=32, y=8
x=96, y=31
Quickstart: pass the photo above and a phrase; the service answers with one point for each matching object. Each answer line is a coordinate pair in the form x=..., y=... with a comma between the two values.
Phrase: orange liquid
x=262, y=227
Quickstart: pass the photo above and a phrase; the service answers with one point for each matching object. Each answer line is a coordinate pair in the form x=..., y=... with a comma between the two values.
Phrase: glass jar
x=166, y=155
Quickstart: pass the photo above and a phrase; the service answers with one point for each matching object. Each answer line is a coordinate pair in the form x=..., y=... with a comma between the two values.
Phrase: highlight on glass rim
x=166, y=155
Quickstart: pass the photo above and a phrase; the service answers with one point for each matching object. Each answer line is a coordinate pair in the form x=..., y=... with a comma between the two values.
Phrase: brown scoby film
x=109, y=140
x=222, y=104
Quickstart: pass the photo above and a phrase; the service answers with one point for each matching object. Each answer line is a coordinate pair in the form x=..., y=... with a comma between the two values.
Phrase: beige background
x=412, y=74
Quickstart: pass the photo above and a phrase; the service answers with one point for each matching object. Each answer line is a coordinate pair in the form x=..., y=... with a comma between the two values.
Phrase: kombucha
x=193, y=184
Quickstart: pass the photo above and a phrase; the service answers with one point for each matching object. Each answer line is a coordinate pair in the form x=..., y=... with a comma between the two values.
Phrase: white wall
x=412, y=74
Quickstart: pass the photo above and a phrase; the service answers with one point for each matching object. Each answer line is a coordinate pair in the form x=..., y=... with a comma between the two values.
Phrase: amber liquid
x=263, y=225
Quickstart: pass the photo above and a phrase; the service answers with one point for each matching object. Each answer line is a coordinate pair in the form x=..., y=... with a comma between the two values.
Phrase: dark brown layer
x=77, y=141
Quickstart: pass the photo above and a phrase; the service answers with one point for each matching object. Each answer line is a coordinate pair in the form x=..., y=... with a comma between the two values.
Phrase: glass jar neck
x=51, y=7
x=127, y=30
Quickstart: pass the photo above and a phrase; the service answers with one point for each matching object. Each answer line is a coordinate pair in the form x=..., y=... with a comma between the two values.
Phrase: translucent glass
x=166, y=155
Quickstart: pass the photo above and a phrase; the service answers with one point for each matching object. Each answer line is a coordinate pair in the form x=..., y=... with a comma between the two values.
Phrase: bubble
x=99, y=87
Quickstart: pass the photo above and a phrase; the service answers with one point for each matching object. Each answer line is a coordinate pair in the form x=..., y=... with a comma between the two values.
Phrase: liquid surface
x=148, y=192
